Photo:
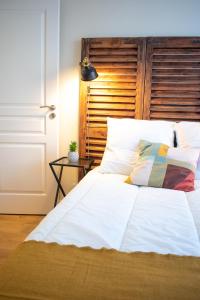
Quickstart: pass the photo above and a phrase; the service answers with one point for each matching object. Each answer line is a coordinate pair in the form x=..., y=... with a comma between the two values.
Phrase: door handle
x=50, y=107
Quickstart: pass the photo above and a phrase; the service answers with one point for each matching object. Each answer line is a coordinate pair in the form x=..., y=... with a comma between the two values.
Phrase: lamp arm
x=85, y=62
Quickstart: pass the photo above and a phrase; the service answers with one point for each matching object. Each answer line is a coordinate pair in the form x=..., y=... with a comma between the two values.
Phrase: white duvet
x=103, y=211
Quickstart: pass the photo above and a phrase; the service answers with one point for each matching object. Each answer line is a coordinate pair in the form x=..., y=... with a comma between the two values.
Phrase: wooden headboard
x=142, y=78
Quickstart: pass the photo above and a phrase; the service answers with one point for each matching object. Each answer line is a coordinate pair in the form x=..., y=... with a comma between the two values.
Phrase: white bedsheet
x=103, y=211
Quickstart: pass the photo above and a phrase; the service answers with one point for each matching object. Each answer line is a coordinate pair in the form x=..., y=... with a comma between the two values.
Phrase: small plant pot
x=73, y=156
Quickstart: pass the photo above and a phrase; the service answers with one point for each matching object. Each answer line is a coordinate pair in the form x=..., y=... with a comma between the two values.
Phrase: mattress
x=104, y=212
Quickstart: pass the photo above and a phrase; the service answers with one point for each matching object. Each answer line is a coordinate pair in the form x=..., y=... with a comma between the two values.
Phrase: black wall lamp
x=88, y=72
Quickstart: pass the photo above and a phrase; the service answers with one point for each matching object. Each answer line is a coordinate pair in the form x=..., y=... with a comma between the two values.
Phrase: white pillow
x=188, y=135
x=123, y=137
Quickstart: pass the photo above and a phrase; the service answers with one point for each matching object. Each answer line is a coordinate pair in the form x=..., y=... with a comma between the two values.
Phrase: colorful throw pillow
x=160, y=166
x=198, y=169
x=188, y=135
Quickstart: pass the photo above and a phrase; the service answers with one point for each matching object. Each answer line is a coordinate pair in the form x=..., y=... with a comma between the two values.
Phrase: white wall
x=112, y=18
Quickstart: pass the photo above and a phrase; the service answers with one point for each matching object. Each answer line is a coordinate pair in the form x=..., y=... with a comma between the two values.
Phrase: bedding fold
x=103, y=211
x=163, y=223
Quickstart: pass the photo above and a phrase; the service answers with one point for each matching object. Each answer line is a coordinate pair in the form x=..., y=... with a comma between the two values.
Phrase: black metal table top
x=64, y=161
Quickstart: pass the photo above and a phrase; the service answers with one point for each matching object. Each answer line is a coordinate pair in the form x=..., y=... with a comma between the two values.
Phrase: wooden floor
x=13, y=231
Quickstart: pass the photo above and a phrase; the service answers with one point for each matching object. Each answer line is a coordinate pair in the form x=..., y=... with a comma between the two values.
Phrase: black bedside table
x=83, y=163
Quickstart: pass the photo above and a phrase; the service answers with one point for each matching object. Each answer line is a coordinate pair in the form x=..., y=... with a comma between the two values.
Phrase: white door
x=29, y=60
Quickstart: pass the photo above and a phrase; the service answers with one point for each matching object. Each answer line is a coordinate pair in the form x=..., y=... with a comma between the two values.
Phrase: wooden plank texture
x=117, y=92
x=172, y=80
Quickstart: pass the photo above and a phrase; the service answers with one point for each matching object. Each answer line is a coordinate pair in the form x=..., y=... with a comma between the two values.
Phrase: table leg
x=84, y=171
x=58, y=180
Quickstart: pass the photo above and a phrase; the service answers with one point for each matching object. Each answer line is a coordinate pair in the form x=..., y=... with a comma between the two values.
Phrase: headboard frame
x=142, y=78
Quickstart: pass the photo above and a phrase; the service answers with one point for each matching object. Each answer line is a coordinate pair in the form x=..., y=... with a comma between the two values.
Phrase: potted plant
x=73, y=155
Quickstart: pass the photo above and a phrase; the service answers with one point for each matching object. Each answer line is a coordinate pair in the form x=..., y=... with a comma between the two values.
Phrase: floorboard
x=13, y=231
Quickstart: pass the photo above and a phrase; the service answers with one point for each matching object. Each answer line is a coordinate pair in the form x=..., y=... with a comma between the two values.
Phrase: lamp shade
x=88, y=72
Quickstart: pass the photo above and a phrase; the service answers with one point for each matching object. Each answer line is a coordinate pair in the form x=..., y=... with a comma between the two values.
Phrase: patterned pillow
x=198, y=168
x=158, y=165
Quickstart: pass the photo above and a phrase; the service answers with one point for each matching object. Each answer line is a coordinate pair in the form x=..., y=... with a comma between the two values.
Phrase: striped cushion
x=158, y=165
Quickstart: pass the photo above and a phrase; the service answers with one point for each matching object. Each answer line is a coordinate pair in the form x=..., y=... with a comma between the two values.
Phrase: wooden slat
x=102, y=120
x=113, y=85
x=97, y=133
x=106, y=106
x=97, y=142
x=175, y=86
x=116, y=78
x=113, y=58
x=112, y=99
x=175, y=101
x=117, y=71
x=175, y=72
x=111, y=52
x=172, y=108
x=113, y=92
x=175, y=116
x=176, y=93
x=177, y=51
x=115, y=65
x=176, y=58
x=95, y=148
x=94, y=154
x=96, y=125
x=176, y=65
x=193, y=79
x=111, y=113
x=113, y=43
x=97, y=162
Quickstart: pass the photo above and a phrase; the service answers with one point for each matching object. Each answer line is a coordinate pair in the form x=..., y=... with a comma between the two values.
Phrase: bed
x=108, y=239
x=104, y=213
